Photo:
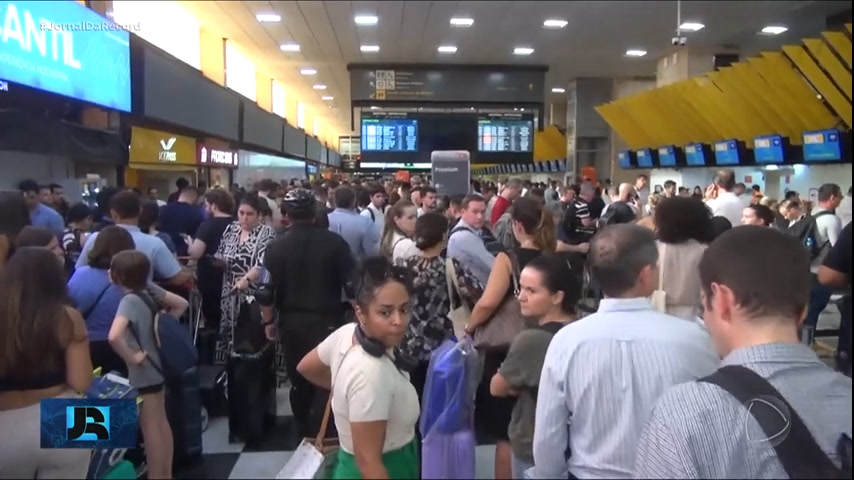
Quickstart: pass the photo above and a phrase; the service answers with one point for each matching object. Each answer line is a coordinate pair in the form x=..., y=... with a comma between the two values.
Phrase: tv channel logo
x=89, y=423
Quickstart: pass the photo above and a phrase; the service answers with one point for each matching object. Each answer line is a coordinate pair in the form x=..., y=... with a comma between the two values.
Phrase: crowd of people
x=628, y=298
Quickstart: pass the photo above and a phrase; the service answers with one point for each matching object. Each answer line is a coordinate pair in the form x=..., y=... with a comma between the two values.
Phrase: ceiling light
x=691, y=27
x=268, y=18
x=462, y=22
x=558, y=90
x=308, y=71
x=774, y=30
x=319, y=87
x=289, y=47
x=327, y=98
x=552, y=23
x=447, y=49
x=635, y=53
x=366, y=20
x=523, y=51
x=369, y=48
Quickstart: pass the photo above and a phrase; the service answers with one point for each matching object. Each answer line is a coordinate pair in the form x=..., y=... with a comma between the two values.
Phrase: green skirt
x=401, y=463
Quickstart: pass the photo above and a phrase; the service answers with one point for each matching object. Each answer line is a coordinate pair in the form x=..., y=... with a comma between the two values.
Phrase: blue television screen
x=822, y=146
x=389, y=134
x=624, y=159
x=64, y=48
x=768, y=149
x=695, y=156
x=667, y=156
x=645, y=158
x=726, y=153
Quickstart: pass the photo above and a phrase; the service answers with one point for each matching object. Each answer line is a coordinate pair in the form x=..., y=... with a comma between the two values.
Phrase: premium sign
x=154, y=147
x=451, y=171
x=217, y=157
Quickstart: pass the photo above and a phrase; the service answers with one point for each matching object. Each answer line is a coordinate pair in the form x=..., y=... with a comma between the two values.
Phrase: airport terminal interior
x=610, y=101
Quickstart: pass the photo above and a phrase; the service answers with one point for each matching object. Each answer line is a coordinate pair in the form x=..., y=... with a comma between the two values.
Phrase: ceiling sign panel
x=401, y=83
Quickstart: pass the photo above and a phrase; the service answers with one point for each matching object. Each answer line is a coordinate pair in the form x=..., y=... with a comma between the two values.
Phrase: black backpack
x=795, y=446
x=616, y=213
x=492, y=245
x=807, y=232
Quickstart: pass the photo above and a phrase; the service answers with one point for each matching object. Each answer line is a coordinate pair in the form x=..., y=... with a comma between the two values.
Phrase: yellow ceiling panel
x=827, y=60
x=841, y=43
x=767, y=98
x=761, y=119
x=801, y=90
x=622, y=125
x=686, y=92
x=812, y=72
x=698, y=128
x=707, y=106
x=741, y=117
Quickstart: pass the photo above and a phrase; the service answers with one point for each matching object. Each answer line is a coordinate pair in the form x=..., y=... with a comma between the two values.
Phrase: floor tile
x=214, y=466
x=215, y=438
x=484, y=466
x=259, y=465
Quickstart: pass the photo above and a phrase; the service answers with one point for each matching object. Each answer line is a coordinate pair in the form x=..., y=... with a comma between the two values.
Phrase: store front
x=217, y=162
x=255, y=167
x=158, y=159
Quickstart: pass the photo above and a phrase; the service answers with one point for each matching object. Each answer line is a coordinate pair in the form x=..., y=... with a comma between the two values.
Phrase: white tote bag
x=459, y=314
x=659, y=296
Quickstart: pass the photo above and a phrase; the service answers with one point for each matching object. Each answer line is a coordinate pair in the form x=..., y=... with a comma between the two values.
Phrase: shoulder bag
x=459, y=314
x=659, y=296
x=507, y=321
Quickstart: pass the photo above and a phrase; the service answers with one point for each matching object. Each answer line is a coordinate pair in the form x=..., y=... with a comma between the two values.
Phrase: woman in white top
x=684, y=228
x=397, y=243
x=375, y=405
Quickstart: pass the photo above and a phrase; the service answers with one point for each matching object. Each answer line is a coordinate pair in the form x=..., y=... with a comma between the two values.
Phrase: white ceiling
x=592, y=44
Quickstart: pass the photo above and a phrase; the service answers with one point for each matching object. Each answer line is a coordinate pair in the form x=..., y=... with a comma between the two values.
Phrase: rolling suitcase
x=184, y=412
x=251, y=376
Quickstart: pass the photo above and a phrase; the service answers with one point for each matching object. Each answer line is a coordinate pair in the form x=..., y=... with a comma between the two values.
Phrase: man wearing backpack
x=773, y=409
x=824, y=229
x=619, y=210
x=375, y=211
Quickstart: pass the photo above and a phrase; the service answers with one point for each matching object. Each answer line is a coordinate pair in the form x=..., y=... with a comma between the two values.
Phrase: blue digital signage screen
x=645, y=158
x=822, y=146
x=64, y=48
x=726, y=153
x=389, y=134
x=624, y=159
x=695, y=156
x=667, y=156
x=768, y=150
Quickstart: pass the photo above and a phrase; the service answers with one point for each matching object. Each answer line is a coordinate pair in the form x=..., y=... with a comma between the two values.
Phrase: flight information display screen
x=768, y=149
x=822, y=146
x=505, y=135
x=695, y=156
x=389, y=135
x=726, y=153
x=645, y=158
x=667, y=156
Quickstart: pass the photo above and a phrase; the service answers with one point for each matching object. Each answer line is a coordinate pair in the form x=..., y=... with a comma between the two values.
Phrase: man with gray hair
x=607, y=371
x=511, y=191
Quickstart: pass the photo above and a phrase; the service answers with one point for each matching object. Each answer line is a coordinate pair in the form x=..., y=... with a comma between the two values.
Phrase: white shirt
x=601, y=377
x=727, y=205
x=376, y=216
x=368, y=389
x=827, y=230
x=843, y=211
x=277, y=212
x=402, y=248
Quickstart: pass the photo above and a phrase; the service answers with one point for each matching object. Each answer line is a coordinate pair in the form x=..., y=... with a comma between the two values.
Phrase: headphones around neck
x=375, y=348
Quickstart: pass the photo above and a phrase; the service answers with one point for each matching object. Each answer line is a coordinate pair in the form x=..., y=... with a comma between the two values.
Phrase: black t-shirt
x=617, y=213
x=210, y=232
x=180, y=218
x=309, y=267
x=839, y=259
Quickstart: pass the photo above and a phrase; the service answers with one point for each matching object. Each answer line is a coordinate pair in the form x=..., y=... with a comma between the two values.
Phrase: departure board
x=389, y=135
x=505, y=135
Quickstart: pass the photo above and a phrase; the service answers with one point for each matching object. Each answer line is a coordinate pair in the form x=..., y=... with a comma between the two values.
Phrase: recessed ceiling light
x=691, y=27
x=369, y=48
x=462, y=22
x=327, y=98
x=308, y=71
x=268, y=18
x=289, y=47
x=366, y=20
x=447, y=49
x=319, y=87
x=523, y=51
x=554, y=23
x=635, y=53
x=558, y=90
x=774, y=30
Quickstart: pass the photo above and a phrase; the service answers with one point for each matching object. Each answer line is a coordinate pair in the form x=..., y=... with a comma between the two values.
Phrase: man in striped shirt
x=756, y=284
x=602, y=374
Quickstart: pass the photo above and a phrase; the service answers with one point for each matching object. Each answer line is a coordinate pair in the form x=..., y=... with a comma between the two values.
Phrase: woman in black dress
x=534, y=229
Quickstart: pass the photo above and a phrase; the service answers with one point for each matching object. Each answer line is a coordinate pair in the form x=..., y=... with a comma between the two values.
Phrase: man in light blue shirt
x=357, y=231
x=125, y=207
x=603, y=374
x=465, y=243
x=41, y=215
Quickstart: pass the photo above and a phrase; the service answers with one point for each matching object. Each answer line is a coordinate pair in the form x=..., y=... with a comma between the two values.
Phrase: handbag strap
x=795, y=446
x=514, y=271
x=324, y=423
x=662, y=250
